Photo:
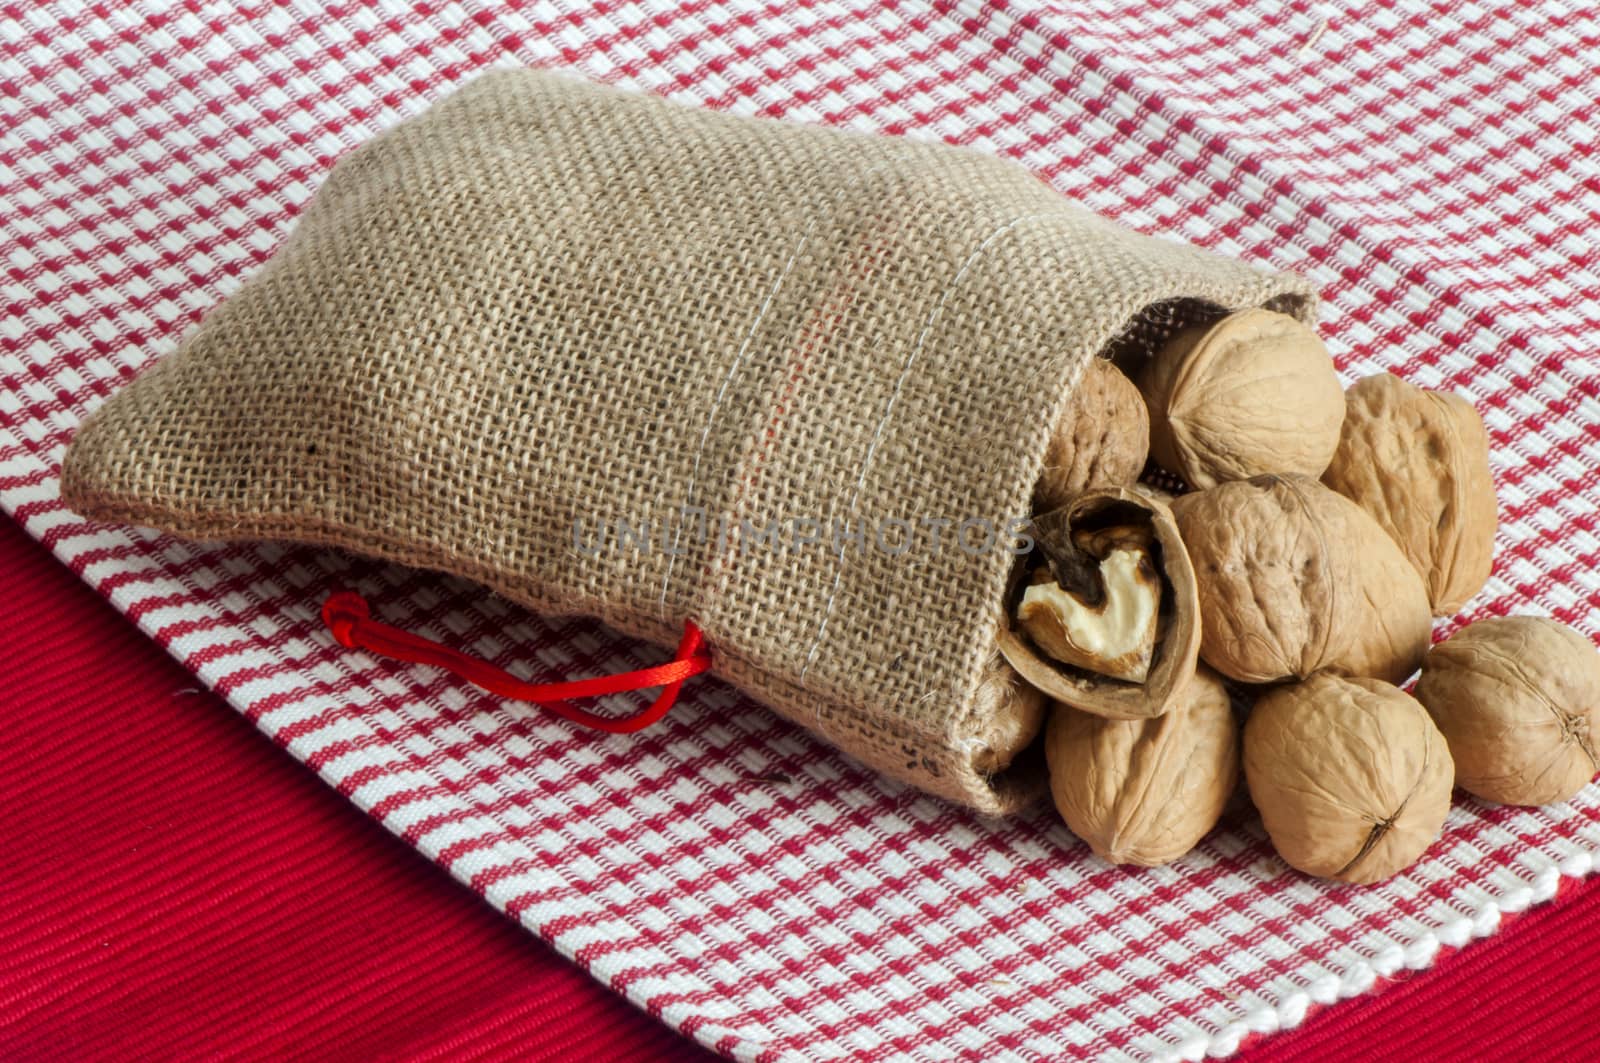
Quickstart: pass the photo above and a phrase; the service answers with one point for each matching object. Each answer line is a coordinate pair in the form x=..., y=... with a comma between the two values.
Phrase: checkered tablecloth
x=1430, y=167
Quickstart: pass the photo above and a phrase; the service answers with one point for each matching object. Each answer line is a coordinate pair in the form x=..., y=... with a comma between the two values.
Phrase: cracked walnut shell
x=1254, y=393
x=1351, y=777
x=1102, y=438
x=1418, y=461
x=1518, y=699
x=1146, y=791
x=1294, y=579
x=1092, y=525
x=1105, y=622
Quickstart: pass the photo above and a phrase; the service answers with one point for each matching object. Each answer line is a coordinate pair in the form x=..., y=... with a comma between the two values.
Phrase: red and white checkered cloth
x=1430, y=166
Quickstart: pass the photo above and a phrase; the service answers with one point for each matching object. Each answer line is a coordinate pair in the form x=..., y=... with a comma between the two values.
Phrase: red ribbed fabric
x=174, y=886
x=209, y=895
x=1523, y=994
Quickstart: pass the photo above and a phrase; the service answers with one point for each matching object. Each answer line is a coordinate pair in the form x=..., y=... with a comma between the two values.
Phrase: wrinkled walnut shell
x=1351, y=777
x=1255, y=393
x=1178, y=644
x=1518, y=699
x=1102, y=439
x=1146, y=791
x=1418, y=462
x=1015, y=711
x=1294, y=579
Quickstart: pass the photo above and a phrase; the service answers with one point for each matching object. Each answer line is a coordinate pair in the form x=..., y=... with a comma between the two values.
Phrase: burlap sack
x=545, y=315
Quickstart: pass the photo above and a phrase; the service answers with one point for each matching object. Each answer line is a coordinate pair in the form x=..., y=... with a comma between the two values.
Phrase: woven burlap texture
x=544, y=308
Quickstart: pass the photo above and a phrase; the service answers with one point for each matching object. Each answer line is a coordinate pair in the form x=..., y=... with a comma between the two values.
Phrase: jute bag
x=615, y=357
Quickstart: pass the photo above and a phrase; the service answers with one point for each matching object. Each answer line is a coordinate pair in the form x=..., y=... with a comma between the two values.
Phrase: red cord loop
x=350, y=619
x=341, y=612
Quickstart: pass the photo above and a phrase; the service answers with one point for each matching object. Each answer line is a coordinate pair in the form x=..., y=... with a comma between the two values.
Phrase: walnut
x=1073, y=543
x=1351, y=777
x=1102, y=438
x=1518, y=699
x=1254, y=393
x=1015, y=711
x=1146, y=791
x=1294, y=579
x=1104, y=618
x=1418, y=461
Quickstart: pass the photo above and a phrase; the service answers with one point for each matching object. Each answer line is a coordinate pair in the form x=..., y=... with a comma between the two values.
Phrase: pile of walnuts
x=1294, y=586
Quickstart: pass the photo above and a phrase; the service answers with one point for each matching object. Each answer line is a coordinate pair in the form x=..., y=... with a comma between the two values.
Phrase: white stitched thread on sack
x=716, y=404
x=888, y=412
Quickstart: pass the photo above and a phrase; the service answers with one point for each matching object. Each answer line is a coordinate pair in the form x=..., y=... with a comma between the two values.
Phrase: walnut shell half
x=1102, y=439
x=1351, y=777
x=1294, y=579
x=1146, y=791
x=1518, y=699
x=1254, y=393
x=1178, y=640
x=1015, y=713
x=1418, y=461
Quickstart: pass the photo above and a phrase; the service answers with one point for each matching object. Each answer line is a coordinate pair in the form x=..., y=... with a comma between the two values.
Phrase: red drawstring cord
x=350, y=619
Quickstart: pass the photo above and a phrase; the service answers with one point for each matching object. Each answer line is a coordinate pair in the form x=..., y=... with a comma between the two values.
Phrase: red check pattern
x=1429, y=166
